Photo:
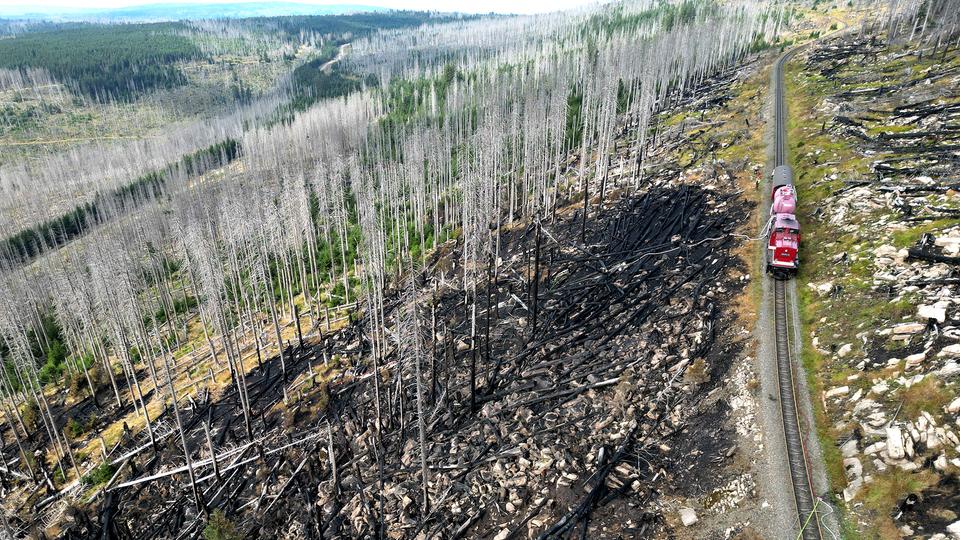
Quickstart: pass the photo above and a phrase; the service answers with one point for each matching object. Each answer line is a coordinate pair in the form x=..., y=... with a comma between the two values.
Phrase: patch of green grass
x=814, y=363
x=857, y=306
x=909, y=237
x=674, y=119
x=99, y=475
x=887, y=489
x=76, y=428
x=927, y=395
x=878, y=129
x=859, y=312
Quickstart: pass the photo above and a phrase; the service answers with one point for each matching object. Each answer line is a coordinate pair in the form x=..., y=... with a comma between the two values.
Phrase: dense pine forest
x=105, y=61
x=385, y=275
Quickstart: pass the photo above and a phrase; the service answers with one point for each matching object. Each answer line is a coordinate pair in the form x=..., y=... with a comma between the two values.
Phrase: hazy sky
x=476, y=6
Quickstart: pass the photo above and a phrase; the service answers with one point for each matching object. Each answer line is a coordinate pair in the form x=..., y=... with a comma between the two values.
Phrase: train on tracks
x=783, y=230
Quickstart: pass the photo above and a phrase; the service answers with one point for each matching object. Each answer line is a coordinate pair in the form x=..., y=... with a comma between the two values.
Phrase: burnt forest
x=308, y=271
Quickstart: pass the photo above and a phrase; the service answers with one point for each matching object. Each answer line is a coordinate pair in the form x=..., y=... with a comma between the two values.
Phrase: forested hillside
x=134, y=92
x=172, y=11
x=355, y=25
x=394, y=275
x=125, y=61
x=105, y=61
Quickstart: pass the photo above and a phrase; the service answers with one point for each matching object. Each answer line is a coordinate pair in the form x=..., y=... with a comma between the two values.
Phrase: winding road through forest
x=329, y=64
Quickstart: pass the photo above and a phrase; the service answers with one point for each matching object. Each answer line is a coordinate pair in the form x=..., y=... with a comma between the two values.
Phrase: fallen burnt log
x=839, y=53
x=921, y=188
x=847, y=121
x=649, y=263
x=930, y=256
x=151, y=494
x=621, y=317
x=927, y=166
x=945, y=132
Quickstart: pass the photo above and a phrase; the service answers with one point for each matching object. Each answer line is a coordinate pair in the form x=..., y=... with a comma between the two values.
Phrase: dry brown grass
x=697, y=373
x=749, y=533
x=748, y=103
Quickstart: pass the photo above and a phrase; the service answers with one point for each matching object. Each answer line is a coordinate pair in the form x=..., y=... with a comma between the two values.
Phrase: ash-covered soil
x=602, y=354
x=585, y=420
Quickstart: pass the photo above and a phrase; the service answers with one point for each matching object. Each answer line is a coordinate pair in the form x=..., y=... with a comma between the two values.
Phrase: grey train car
x=782, y=176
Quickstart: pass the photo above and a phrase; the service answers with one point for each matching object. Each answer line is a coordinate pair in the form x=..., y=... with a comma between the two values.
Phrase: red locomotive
x=783, y=241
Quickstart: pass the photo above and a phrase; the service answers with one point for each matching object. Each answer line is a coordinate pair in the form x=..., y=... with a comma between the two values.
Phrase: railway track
x=803, y=491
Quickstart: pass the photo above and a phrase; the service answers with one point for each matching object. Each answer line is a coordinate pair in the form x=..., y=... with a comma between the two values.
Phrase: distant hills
x=177, y=11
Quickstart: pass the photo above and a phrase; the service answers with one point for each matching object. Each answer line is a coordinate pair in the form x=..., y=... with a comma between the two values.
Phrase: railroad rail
x=803, y=491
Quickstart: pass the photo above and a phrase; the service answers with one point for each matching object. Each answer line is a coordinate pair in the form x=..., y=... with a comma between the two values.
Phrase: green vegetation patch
x=99, y=475
x=614, y=20
x=926, y=395
x=105, y=61
x=57, y=231
x=356, y=24
x=219, y=527
x=311, y=83
x=883, y=494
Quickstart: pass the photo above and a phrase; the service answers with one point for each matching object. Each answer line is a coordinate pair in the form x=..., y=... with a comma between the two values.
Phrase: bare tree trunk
x=433, y=345
x=183, y=437
x=473, y=352
x=535, y=296
x=23, y=454
x=105, y=360
x=213, y=455
x=332, y=456
x=421, y=422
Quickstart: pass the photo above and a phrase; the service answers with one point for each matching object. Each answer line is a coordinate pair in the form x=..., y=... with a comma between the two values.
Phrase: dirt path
x=327, y=66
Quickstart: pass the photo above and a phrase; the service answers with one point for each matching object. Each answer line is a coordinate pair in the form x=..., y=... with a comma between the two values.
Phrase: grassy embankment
x=824, y=162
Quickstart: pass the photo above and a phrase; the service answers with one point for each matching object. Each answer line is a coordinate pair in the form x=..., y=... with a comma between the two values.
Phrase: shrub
x=57, y=353
x=30, y=414
x=220, y=528
x=99, y=475
x=76, y=428
x=52, y=370
x=50, y=373
x=77, y=386
x=7, y=370
x=84, y=361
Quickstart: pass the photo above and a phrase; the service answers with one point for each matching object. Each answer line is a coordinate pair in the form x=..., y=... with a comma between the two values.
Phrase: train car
x=783, y=240
x=782, y=176
x=784, y=201
x=783, y=246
